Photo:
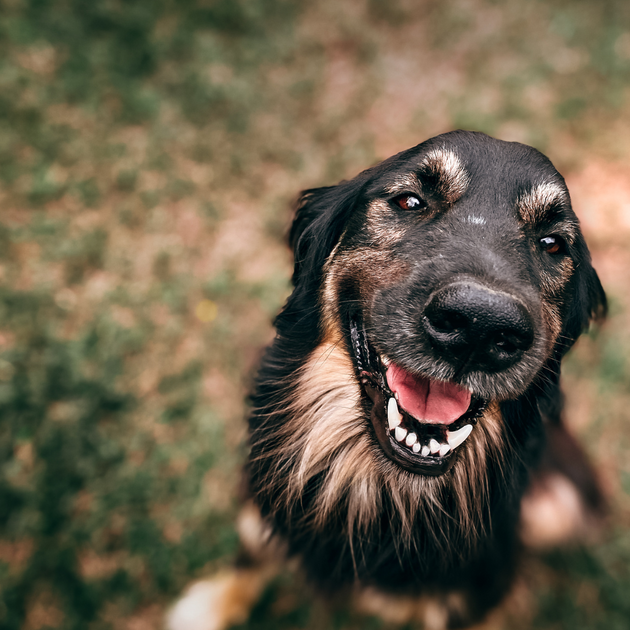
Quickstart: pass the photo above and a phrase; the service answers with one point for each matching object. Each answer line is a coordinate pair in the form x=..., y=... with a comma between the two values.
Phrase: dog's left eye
x=410, y=202
x=552, y=244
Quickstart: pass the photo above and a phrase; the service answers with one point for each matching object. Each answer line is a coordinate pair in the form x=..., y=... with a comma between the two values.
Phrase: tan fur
x=381, y=225
x=442, y=164
x=535, y=203
x=536, y=207
x=553, y=513
x=227, y=598
x=220, y=602
x=319, y=459
x=374, y=267
x=432, y=612
x=327, y=431
x=448, y=169
x=551, y=287
x=255, y=535
x=403, y=183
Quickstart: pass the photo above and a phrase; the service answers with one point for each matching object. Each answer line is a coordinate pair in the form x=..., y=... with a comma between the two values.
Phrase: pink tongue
x=429, y=401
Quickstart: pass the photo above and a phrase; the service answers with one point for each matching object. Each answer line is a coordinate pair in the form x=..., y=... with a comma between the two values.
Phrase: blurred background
x=149, y=154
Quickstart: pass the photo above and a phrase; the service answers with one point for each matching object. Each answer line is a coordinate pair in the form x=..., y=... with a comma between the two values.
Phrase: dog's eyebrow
x=445, y=174
x=402, y=183
x=542, y=203
x=446, y=170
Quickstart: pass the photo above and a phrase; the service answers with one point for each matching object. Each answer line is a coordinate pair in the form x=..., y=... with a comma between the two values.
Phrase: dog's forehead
x=479, y=170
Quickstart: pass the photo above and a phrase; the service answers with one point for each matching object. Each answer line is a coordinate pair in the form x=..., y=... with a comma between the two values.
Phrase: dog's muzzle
x=418, y=421
x=421, y=419
x=468, y=323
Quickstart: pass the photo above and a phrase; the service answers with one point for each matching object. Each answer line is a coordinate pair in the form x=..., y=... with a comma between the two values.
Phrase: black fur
x=436, y=555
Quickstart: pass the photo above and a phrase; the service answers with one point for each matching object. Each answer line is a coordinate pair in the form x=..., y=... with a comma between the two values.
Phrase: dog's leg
x=564, y=502
x=227, y=598
x=445, y=612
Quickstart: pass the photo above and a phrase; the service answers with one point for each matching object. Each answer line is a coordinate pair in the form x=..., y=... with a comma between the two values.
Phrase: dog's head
x=455, y=275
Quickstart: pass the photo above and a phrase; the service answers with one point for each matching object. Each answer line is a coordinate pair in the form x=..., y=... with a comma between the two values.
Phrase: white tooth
x=455, y=438
x=400, y=433
x=434, y=445
x=412, y=438
x=385, y=361
x=425, y=450
x=416, y=448
x=393, y=415
x=444, y=449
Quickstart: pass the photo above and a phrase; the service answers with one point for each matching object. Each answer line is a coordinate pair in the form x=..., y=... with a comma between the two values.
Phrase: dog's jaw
x=420, y=446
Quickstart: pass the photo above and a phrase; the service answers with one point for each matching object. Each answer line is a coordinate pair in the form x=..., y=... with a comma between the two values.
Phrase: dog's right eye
x=552, y=244
x=410, y=202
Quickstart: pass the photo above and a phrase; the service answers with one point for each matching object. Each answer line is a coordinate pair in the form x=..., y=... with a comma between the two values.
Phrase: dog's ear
x=320, y=218
x=588, y=303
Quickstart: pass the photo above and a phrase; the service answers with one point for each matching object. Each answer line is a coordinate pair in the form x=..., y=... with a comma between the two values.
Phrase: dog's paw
x=553, y=513
x=434, y=613
x=217, y=603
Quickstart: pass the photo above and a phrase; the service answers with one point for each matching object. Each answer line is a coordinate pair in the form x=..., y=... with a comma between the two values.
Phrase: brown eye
x=410, y=202
x=552, y=244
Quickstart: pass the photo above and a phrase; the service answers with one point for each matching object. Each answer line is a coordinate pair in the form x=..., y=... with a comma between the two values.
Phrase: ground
x=149, y=154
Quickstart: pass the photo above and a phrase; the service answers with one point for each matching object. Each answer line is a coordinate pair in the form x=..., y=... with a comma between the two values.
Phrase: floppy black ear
x=588, y=302
x=320, y=219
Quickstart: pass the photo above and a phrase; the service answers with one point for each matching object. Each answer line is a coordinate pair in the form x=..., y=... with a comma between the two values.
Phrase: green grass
x=149, y=154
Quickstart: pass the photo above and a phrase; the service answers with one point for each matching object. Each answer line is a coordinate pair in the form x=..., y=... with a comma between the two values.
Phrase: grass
x=149, y=153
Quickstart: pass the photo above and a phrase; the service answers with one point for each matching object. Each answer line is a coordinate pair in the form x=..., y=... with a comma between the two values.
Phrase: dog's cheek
x=552, y=320
x=351, y=280
x=552, y=289
x=364, y=260
x=326, y=430
x=382, y=226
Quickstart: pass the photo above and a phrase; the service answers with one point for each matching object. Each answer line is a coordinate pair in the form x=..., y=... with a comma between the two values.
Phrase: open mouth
x=419, y=422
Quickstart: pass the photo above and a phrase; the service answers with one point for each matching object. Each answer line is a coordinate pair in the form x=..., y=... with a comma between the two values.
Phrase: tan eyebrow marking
x=451, y=176
x=441, y=165
x=403, y=183
x=537, y=204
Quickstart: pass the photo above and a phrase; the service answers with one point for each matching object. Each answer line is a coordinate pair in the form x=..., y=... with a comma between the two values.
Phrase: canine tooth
x=416, y=448
x=412, y=438
x=400, y=433
x=394, y=418
x=425, y=450
x=385, y=361
x=434, y=445
x=455, y=438
x=444, y=449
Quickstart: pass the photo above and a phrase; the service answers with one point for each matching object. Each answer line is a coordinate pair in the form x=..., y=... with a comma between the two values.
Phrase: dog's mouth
x=419, y=422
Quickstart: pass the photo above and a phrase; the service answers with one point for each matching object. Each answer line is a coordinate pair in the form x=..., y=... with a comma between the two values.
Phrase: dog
x=406, y=419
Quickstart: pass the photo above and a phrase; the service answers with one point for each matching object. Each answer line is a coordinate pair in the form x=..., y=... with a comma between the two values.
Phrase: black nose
x=467, y=322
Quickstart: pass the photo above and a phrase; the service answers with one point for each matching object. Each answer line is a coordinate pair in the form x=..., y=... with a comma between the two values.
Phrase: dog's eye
x=410, y=202
x=552, y=244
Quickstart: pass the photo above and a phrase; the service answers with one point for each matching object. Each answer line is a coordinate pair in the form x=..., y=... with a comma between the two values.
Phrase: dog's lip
x=429, y=401
x=372, y=369
x=441, y=441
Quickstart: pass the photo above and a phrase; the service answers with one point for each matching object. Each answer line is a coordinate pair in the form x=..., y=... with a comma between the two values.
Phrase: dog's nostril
x=509, y=341
x=505, y=344
x=490, y=329
x=448, y=322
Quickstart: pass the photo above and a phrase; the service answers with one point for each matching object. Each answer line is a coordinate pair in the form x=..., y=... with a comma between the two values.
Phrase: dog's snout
x=470, y=323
